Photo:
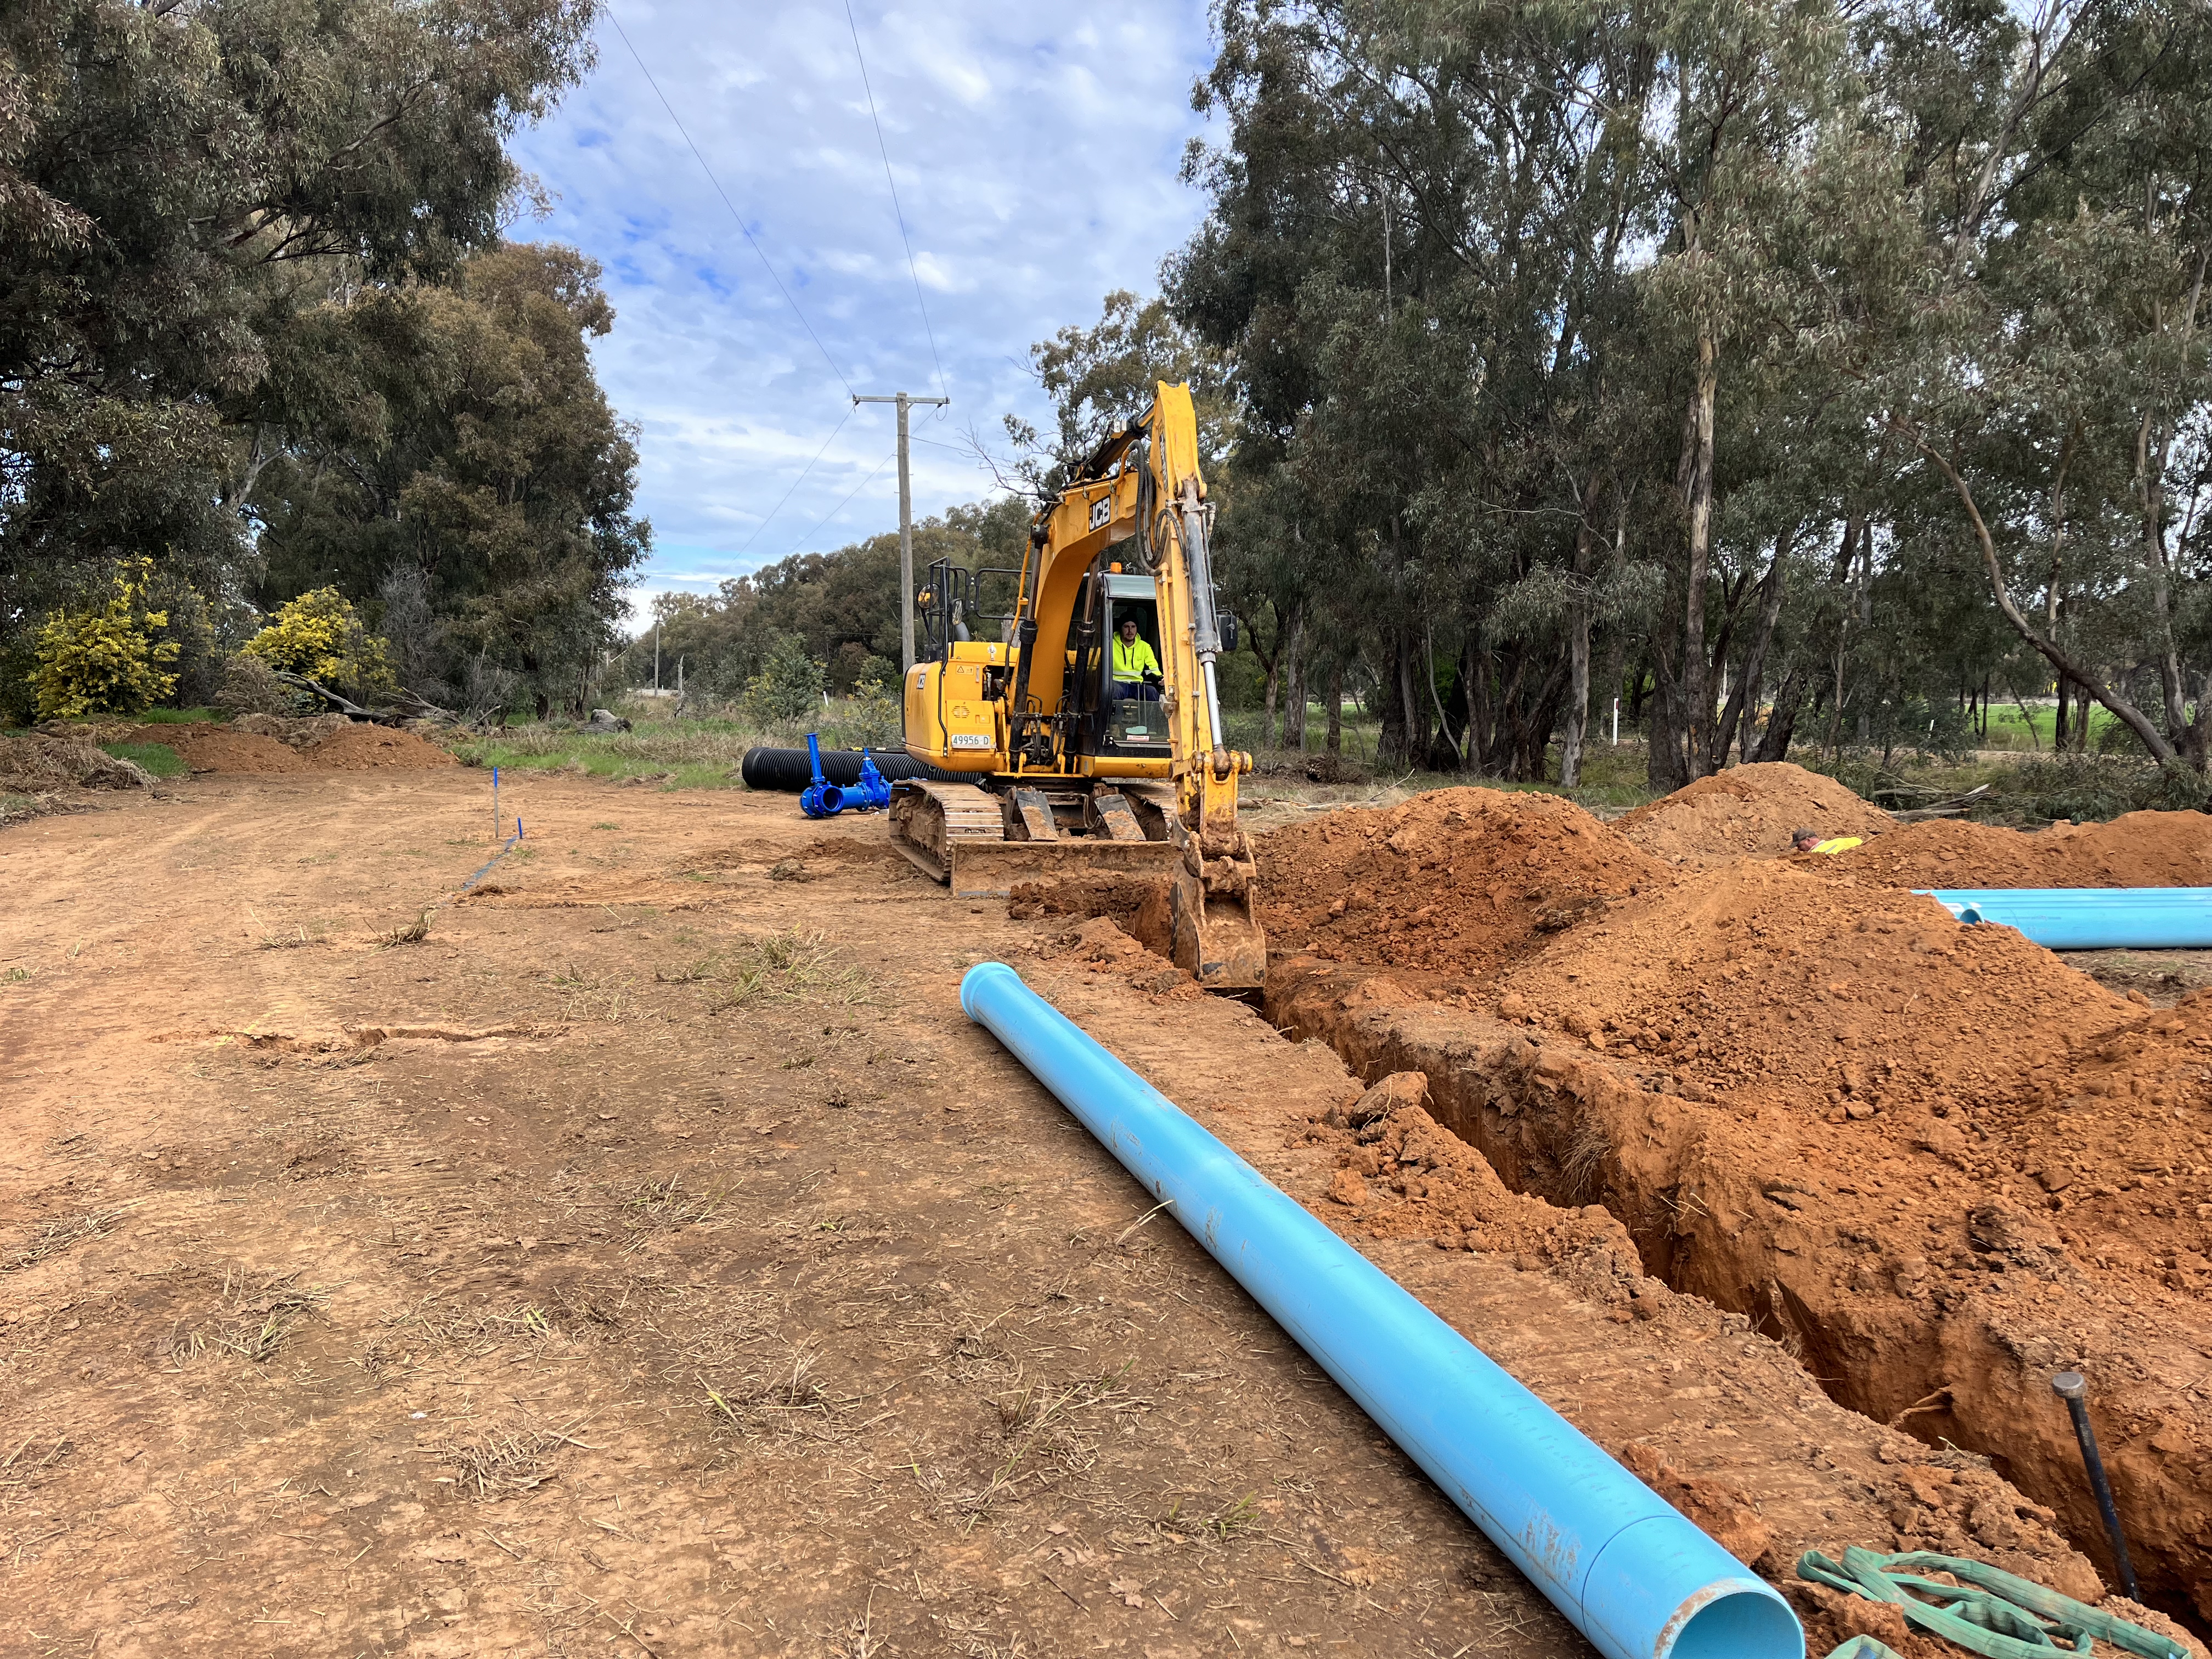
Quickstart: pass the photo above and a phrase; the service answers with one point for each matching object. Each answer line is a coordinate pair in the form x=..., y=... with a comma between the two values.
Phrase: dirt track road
x=497, y=1294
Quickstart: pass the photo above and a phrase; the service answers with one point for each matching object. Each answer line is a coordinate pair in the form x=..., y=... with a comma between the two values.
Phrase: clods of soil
x=1457, y=881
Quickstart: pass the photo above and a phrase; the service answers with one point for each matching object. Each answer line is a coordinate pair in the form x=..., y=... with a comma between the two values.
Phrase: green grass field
x=157, y=758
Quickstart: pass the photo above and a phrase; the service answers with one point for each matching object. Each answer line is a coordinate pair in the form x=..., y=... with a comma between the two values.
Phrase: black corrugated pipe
x=788, y=769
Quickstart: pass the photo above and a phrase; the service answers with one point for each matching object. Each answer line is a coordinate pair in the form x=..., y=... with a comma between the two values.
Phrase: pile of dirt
x=1457, y=881
x=2142, y=849
x=1763, y=987
x=35, y=761
x=204, y=746
x=293, y=732
x=1824, y=994
x=265, y=744
x=1748, y=811
x=356, y=747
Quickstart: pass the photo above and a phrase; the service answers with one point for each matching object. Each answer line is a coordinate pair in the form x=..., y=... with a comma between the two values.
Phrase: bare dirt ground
x=652, y=1258
x=578, y=1277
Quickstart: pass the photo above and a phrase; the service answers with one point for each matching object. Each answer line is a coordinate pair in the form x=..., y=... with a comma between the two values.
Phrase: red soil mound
x=1748, y=811
x=2143, y=849
x=205, y=747
x=1820, y=993
x=1457, y=880
x=270, y=745
x=357, y=748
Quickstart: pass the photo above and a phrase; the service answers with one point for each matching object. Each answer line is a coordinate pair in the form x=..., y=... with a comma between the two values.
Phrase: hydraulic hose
x=789, y=769
x=1634, y=1576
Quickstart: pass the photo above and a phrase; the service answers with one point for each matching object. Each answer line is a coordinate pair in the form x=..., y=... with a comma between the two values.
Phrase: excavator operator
x=1136, y=670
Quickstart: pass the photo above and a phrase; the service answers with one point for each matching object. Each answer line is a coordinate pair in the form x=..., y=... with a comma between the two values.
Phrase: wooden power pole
x=906, y=524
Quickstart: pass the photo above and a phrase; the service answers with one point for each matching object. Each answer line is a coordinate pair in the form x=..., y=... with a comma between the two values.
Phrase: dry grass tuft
x=290, y=938
x=1221, y=1524
x=790, y=966
x=787, y=1400
x=662, y=1207
x=413, y=933
x=1047, y=1439
x=258, y=1321
x=591, y=996
x=501, y=1464
x=58, y=1236
x=475, y=1331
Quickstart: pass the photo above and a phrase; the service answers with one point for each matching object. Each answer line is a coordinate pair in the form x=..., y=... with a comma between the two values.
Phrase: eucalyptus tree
x=179, y=180
x=2027, y=313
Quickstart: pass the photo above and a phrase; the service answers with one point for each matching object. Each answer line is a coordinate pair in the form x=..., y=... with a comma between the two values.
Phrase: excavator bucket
x=1218, y=938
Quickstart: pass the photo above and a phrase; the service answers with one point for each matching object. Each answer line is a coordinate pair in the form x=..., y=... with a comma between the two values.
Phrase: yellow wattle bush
x=320, y=637
x=105, y=661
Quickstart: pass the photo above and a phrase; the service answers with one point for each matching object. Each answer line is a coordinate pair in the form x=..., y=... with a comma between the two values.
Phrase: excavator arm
x=1217, y=929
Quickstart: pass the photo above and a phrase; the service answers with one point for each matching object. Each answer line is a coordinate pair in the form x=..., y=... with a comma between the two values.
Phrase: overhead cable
x=840, y=508
x=739, y=217
x=799, y=480
x=896, y=212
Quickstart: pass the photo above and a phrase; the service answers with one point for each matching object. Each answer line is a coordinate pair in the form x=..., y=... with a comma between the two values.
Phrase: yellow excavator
x=1066, y=769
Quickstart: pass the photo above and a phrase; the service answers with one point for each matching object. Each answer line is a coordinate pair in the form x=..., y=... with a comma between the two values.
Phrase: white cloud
x=936, y=275
x=1037, y=166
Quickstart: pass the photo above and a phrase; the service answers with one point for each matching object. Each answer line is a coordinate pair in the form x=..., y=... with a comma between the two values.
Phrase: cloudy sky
x=1035, y=155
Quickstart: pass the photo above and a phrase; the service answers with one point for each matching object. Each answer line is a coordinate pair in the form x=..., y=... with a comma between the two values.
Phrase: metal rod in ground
x=2074, y=1388
x=495, y=819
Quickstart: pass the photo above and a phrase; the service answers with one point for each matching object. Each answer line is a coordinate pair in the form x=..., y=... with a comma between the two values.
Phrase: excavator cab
x=1121, y=726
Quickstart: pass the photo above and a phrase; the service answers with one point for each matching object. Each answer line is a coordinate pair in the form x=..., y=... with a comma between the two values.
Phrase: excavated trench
x=1945, y=1318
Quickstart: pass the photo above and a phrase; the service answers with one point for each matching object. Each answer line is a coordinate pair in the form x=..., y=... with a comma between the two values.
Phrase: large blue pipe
x=1635, y=1577
x=2091, y=918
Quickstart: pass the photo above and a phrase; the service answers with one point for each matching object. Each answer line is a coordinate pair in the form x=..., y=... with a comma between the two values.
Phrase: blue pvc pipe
x=1619, y=1561
x=2090, y=918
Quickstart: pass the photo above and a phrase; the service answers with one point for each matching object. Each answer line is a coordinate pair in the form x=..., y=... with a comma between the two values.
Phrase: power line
x=840, y=508
x=799, y=480
x=739, y=217
x=897, y=213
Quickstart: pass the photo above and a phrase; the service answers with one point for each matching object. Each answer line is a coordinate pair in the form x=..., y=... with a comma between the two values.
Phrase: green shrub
x=878, y=712
x=789, y=685
x=320, y=637
x=105, y=661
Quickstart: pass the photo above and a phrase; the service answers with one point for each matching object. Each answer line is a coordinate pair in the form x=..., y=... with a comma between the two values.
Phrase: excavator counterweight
x=1091, y=728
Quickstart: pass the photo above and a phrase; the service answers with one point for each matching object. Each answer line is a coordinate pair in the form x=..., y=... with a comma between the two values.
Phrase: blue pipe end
x=978, y=977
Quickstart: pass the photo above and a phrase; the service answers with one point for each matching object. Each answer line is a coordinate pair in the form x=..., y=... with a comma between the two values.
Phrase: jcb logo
x=1102, y=511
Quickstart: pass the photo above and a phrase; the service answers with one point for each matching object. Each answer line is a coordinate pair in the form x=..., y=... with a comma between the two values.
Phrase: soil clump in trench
x=1791, y=1086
